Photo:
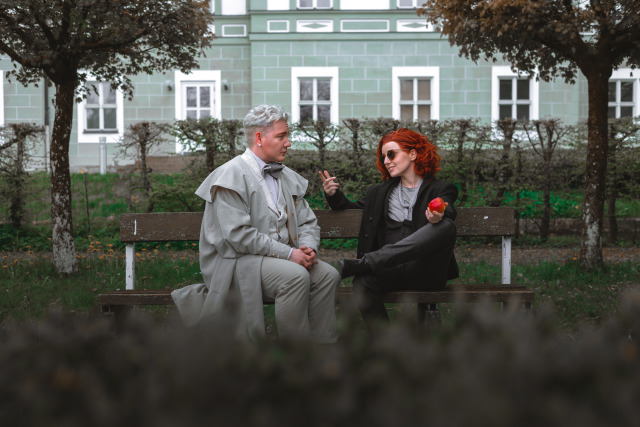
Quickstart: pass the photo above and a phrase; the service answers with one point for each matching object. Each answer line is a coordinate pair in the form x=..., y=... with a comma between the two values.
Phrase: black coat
x=376, y=204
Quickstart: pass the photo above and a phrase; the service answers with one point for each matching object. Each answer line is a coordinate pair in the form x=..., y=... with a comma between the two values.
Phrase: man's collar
x=260, y=162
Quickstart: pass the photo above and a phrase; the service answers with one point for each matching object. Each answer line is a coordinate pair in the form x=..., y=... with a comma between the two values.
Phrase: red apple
x=437, y=205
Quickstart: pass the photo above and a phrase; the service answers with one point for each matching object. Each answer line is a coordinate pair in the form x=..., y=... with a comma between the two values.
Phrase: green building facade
x=324, y=59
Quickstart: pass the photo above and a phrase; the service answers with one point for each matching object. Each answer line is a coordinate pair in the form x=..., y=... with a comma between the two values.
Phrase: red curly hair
x=427, y=161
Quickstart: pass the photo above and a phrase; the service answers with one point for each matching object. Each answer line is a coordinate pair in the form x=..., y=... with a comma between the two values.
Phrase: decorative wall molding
x=413, y=25
x=234, y=30
x=314, y=26
x=364, y=25
x=277, y=26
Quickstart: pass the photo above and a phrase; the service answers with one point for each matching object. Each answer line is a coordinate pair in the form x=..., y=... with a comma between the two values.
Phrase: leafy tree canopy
x=545, y=37
x=111, y=39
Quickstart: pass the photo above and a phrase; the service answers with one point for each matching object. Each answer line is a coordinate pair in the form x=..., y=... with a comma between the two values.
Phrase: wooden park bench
x=185, y=226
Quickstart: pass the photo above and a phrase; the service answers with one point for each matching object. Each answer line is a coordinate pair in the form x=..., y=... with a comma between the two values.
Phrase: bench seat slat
x=500, y=293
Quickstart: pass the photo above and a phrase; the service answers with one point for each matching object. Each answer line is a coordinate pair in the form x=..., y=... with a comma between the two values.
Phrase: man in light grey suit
x=259, y=238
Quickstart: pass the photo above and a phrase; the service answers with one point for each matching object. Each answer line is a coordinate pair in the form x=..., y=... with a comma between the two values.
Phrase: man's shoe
x=353, y=267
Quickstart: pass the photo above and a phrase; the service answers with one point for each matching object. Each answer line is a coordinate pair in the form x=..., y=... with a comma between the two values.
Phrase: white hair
x=262, y=118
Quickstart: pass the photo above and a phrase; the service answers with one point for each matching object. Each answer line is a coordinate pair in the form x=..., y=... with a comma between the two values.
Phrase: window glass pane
x=192, y=94
x=405, y=3
x=505, y=112
x=306, y=112
x=305, y=3
x=192, y=114
x=324, y=90
x=205, y=98
x=108, y=93
x=205, y=113
x=612, y=91
x=324, y=4
x=324, y=113
x=505, y=89
x=93, y=118
x=406, y=113
x=522, y=112
x=626, y=111
x=424, y=90
x=306, y=89
x=612, y=112
x=626, y=91
x=523, y=89
x=424, y=112
x=92, y=95
x=406, y=89
x=109, y=118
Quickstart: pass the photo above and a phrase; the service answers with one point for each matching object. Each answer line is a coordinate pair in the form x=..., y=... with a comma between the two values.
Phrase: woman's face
x=402, y=162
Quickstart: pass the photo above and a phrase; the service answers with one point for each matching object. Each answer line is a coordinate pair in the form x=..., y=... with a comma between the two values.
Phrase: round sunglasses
x=391, y=154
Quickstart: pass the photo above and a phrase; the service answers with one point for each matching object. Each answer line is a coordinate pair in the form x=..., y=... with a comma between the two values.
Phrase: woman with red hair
x=402, y=244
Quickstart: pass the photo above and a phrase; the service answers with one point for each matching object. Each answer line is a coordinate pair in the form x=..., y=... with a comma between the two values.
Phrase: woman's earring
x=259, y=145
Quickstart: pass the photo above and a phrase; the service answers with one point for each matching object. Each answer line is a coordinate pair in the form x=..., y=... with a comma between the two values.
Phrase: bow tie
x=274, y=169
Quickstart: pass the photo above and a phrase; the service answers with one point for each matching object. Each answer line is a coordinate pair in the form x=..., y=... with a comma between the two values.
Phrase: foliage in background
x=505, y=172
x=14, y=159
x=548, y=40
x=79, y=45
x=484, y=368
x=140, y=139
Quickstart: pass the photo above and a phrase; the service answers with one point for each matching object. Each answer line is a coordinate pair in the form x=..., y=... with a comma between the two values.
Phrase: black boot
x=353, y=267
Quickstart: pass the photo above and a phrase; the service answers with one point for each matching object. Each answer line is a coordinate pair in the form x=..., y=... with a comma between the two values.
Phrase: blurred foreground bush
x=485, y=368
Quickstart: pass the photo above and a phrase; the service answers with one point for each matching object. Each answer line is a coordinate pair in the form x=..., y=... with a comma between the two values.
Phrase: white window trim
x=233, y=7
x=226, y=27
x=1, y=98
x=197, y=76
x=433, y=73
x=362, y=5
x=534, y=91
x=315, y=6
x=277, y=4
x=94, y=137
x=627, y=74
x=327, y=72
x=415, y=5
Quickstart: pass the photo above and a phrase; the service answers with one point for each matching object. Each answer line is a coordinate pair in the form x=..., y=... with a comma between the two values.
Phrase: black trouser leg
x=368, y=291
x=432, y=238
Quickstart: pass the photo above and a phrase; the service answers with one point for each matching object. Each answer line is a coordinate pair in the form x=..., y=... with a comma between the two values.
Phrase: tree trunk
x=596, y=168
x=64, y=249
x=612, y=193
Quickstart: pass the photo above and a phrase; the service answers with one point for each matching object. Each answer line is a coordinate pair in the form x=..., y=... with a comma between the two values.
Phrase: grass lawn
x=30, y=287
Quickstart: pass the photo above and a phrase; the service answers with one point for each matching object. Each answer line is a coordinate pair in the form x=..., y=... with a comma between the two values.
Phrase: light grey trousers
x=305, y=301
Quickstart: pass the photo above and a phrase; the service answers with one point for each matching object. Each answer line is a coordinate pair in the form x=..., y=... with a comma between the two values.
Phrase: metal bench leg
x=118, y=313
x=428, y=314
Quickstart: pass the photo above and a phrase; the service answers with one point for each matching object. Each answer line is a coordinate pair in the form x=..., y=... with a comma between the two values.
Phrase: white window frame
x=431, y=73
x=93, y=137
x=315, y=5
x=277, y=4
x=626, y=74
x=233, y=7
x=415, y=4
x=197, y=76
x=364, y=5
x=501, y=72
x=314, y=72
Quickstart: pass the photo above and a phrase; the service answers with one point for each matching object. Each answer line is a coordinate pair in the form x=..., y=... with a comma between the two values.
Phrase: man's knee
x=296, y=278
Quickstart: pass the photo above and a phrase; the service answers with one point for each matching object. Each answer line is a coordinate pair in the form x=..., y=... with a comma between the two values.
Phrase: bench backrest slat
x=185, y=226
